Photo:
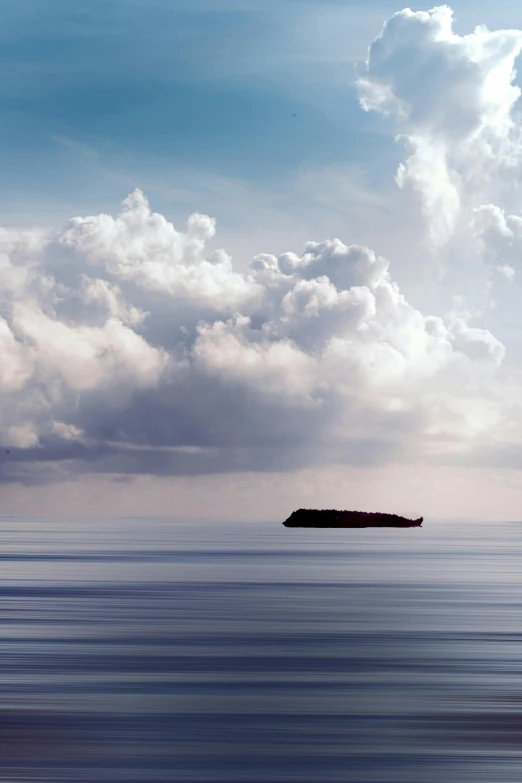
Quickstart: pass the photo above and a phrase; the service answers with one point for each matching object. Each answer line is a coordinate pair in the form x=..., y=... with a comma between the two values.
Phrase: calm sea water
x=147, y=651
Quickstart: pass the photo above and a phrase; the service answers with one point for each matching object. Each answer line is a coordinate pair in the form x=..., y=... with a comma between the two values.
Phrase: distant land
x=308, y=517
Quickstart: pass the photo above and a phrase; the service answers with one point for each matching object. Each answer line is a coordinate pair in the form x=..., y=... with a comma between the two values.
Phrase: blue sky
x=95, y=96
x=127, y=347
x=99, y=97
x=189, y=99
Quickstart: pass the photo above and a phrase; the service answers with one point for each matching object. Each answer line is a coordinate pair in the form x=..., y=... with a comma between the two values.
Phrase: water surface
x=153, y=650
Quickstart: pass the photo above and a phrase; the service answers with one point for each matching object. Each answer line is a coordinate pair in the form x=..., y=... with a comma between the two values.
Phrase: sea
x=158, y=650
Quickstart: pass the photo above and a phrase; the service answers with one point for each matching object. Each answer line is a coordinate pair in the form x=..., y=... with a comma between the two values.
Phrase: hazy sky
x=259, y=256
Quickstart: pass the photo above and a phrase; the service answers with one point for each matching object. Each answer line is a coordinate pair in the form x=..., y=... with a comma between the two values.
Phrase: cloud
x=452, y=98
x=500, y=238
x=129, y=348
x=142, y=247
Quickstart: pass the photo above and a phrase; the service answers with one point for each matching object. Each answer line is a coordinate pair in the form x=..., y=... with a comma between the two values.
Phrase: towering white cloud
x=452, y=98
x=500, y=238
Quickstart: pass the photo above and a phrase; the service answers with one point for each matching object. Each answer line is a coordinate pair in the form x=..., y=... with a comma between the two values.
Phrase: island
x=308, y=517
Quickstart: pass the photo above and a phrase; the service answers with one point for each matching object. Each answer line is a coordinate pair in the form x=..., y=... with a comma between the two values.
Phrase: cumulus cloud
x=453, y=100
x=127, y=347
x=142, y=247
x=500, y=239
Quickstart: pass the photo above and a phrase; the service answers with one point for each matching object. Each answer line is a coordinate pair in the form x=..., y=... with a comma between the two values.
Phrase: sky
x=260, y=256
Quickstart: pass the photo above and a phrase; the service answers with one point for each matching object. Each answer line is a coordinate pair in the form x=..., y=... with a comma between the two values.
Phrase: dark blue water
x=158, y=651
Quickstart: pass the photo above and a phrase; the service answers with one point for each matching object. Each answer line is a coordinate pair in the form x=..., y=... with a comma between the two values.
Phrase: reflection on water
x=159, y=651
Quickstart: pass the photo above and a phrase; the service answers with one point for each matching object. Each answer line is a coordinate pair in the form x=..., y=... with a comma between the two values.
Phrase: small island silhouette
x=308, y=517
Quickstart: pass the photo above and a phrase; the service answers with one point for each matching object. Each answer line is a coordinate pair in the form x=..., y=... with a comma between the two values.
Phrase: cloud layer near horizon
x=128, y=347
